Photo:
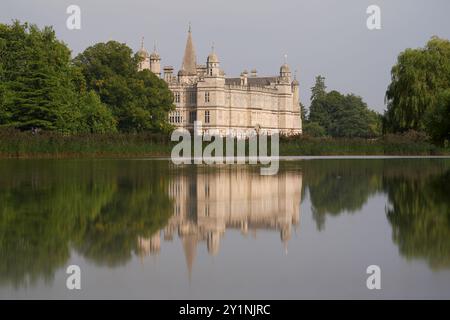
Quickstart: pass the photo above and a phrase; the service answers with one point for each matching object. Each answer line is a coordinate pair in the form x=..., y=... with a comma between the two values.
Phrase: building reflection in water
x=206, y=204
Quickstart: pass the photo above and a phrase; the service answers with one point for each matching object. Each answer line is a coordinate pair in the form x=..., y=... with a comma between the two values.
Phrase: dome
x=295, y=82
x=285, y=68
x=154, y=56
x=212, y=58
x=143, y=53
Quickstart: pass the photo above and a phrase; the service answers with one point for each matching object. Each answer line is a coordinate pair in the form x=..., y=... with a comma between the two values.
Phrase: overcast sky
x=327, y=37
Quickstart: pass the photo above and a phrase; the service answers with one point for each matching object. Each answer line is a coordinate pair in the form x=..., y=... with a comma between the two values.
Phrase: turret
x=212, y=64
x=155, y=63
x=144, y=62
x=244, y=78
x=285, y=73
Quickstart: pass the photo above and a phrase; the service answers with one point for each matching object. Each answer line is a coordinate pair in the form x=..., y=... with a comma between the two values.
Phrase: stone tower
x=155, y=63
x=144, y=63
x=212, y=64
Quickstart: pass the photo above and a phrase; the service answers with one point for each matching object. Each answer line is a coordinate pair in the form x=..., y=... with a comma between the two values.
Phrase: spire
x=189, y=61
x=190, y=248
x=142, y=43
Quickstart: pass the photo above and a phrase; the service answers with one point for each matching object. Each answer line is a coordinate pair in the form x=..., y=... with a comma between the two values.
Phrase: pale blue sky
x=327, y=37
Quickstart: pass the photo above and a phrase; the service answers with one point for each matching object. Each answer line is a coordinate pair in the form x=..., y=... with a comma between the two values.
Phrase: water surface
x=152, y=230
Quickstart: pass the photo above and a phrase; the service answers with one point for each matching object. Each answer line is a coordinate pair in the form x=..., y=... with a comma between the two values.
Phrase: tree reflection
x=140, y=208
x=100, y=207
x=417, y=191
x=420, y=218
x=337, y=186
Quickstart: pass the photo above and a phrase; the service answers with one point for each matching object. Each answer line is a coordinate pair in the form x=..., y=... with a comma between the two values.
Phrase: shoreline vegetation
x=22, y=145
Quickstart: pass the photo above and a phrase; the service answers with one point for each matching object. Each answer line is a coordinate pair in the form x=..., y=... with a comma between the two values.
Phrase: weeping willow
x=416, y=81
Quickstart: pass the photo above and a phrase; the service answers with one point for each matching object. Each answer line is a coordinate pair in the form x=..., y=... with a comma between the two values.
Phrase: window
x=177, y=97
x=207, y=96
x=175, y=117
x=192, y=97
x=207, y=117
x=192, y=116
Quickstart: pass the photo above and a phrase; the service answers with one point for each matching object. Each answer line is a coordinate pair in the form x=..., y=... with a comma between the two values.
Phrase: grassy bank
x=386, y=145
x=16, y=144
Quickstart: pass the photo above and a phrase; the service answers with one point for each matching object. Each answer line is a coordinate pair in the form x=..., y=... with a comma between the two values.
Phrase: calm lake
x=148, y=229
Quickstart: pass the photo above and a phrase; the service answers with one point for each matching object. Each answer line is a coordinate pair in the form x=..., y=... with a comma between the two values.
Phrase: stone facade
x=236, y=106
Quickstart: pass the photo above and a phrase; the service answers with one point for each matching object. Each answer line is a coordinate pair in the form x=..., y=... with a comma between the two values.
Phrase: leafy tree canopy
x=418, y=79
x=40, y=87
x=342, y=115
x=139, y=100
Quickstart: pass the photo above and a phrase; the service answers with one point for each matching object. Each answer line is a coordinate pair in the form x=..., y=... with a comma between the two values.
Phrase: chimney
x=244, y=78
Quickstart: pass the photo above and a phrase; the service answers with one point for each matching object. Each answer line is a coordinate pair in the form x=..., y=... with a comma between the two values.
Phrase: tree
x=303, y=113
x=353, y=118
x=4, y=114
x=437, y=118
x=95, y=116
x=342, y=115
x=417, y=80
x=37, y=90
x=39, y=85
x=319, y=88
x=139, y=100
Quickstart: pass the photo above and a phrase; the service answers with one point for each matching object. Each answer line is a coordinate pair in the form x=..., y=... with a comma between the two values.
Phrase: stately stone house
x=235, y=106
